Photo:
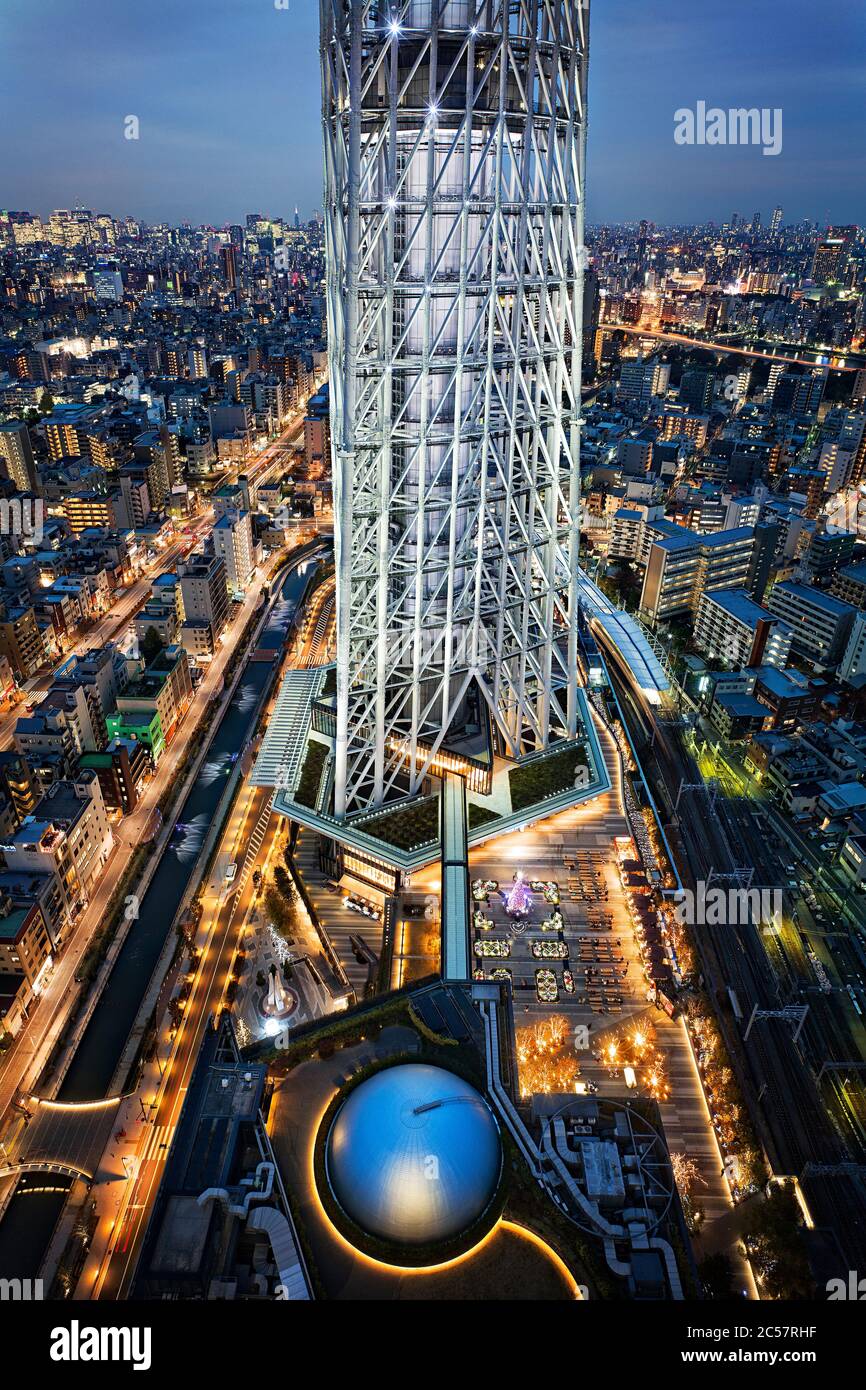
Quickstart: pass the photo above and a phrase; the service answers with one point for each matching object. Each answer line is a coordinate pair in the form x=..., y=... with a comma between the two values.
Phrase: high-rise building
x=696, y=389
x=107, y=284
x=454, y=159
x=228, y=265
x=16, y=456
x=233, y=543
x=800, y=393
x=831, y=253
x=776, y=220
x=681, y=565
x=644, y=378
x=204, y=592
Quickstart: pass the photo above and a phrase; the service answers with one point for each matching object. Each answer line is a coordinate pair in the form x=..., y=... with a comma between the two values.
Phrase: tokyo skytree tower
x=455, y=137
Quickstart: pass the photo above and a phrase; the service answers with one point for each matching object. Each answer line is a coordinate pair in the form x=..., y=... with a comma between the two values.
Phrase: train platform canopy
x=627, y=635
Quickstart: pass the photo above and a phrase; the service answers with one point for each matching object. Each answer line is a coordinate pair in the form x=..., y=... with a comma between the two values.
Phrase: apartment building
x=643, y=378
x=85, y=509
x=68, y=836
x=25, y=955
x=48, y=742
x=16, y=783
x=21, y=640
x=122, y=769
x=16, y=456
x=233, y=543
x=682, y=565
x=635, y=452
x=820, y=624
x=164, y=688
x=732, y=628
x=66, y=429
x=204, y=591
x=849, y=584
x=83, y=715
x=853, y=661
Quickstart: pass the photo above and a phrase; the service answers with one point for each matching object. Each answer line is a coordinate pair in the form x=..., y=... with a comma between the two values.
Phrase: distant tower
x=776, y=221
x=454, y=173
x=297, y=220
x=229, y=267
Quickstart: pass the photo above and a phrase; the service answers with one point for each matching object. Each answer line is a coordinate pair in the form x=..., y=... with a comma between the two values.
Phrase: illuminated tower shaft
x=454, y=162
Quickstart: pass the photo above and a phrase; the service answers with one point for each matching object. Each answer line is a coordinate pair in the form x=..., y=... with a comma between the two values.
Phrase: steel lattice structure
x=454, y=173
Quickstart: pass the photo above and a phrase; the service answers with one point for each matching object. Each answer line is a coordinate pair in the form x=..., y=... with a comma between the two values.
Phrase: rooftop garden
x=546, y=777
x=311, y=774
x=408, y=827
x=480, y=815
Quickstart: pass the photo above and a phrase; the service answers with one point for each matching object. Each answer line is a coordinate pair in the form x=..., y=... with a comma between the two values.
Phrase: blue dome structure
x=413, y=1155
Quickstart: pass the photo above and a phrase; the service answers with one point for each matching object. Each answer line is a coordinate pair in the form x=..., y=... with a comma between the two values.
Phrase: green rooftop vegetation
x=311, y=774
x=546, y=777
x=408, y=826
x=480, y=815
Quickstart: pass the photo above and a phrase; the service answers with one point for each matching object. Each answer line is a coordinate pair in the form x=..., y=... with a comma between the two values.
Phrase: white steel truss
x=454, y=172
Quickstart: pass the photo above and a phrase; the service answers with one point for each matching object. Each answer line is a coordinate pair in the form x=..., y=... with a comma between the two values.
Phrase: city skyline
x=433, y=670
x=219, y=93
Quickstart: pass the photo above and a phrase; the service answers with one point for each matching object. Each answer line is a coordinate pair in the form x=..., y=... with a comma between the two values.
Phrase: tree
x=46, y=403
x=279, y=913
x=283, y=883
x=773, y=1235
x=151, y=645
x=717, y=1275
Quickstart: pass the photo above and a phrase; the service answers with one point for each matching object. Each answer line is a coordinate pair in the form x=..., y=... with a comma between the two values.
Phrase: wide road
x=730, y=837
x=114, y=624
x=110, y=627
x=219, y=932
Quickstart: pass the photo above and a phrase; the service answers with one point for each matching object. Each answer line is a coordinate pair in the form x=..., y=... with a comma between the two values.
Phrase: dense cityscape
x=433, y=724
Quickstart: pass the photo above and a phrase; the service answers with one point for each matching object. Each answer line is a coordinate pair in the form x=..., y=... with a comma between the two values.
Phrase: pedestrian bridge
x=63, y=1170
x=64, y=1138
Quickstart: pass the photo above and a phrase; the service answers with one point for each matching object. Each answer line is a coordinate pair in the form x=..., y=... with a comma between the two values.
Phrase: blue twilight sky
x=227, y=94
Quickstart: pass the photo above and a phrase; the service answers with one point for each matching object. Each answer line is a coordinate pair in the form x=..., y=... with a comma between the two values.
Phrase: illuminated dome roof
x=413, y=1155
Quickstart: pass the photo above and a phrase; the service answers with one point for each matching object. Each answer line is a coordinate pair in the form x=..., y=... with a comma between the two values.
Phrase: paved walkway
x=539, y=852
x=339, y=921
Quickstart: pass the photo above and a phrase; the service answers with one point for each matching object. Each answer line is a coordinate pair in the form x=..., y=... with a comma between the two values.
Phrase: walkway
x=68, y=1138
x=456, y=958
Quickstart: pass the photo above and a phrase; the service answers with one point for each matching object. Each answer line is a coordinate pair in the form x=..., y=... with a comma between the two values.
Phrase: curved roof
x=413, y=1154
x=628, y=637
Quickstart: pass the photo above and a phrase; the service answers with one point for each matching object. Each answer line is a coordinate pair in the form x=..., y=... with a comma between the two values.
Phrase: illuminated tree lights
x=545, y=1057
